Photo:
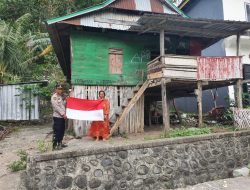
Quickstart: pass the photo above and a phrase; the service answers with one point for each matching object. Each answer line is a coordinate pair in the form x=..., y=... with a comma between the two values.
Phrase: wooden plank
x=181, y=69
x=126, y=93
x=179, y=74
x=131, y=129
x=155, y=67
x=129, y=107
x=149, y=116
x=142, y=114
x=165, y=107
x=156, y=60
x=111, y=95
x=199, y=100
x=180, y=66
x=92, y=92
x=181, y=60
x=138, y=114
x=123, y=94
x=155, y=75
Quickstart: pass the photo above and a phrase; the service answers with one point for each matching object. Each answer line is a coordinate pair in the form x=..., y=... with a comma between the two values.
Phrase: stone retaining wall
x=152, y=165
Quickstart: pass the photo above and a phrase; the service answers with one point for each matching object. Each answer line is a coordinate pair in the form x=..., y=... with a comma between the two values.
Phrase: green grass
x=19, y=164
x=43, y=146
x=182, y=132
x=111, y=141
x=149, y=138
x=186, y=132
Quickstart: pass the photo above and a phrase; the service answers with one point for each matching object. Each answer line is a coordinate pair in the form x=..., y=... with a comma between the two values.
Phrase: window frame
x=117, y=54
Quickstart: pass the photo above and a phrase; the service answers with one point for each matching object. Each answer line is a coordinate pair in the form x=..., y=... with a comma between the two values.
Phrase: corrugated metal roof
x=201, y=28
x=143, y=5
x=157, y=6
x=125, y=4
x=13, y=106
x=154, y=6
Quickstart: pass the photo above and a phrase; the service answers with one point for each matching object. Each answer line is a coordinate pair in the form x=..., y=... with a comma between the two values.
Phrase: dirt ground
x=25, y=139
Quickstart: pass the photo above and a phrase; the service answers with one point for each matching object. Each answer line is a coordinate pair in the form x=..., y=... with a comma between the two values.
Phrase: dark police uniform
x=58, y=106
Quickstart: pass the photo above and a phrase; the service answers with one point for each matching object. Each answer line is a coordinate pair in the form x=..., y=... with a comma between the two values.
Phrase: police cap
x=59, y=86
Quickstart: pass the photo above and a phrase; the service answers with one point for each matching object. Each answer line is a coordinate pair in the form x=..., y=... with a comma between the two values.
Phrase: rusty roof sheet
x=136, y=5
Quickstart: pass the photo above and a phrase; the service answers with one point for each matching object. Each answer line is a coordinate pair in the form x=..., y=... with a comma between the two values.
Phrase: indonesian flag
x=82, y=109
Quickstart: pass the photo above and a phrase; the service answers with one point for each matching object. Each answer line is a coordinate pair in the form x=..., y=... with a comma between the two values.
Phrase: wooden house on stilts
x=138, y=52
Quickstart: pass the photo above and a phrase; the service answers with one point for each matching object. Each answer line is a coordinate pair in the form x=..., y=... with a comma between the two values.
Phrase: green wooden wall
x=90, y=57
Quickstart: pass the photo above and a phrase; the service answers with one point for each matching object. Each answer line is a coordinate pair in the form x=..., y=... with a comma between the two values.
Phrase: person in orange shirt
x=100, y=129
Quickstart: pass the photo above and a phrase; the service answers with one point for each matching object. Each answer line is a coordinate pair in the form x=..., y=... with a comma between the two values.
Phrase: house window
x=115, y=61
x=248, y=12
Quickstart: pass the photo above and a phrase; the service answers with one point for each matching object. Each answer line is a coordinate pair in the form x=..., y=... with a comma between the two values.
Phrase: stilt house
x=140, y=51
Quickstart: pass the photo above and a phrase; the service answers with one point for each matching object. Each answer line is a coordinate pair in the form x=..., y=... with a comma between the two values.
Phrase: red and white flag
x=82, y=109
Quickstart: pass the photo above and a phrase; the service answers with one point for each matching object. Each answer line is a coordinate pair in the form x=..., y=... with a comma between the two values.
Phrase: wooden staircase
x=138, y=91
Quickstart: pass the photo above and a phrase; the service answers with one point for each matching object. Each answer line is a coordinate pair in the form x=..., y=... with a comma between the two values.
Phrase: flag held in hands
x=82, y=109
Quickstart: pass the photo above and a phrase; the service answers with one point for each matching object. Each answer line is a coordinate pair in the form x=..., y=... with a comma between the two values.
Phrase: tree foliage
x=25, y=47
x=41, y=10
x=13, y=49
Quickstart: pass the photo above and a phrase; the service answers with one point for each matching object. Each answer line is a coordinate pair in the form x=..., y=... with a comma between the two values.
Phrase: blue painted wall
x=211, y=9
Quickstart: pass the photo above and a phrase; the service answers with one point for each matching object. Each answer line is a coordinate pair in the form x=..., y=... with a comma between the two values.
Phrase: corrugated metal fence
x=15, y=105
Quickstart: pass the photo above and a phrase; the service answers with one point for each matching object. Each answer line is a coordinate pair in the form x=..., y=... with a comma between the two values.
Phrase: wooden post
x=238, y=45
x=239, y=93
x=162, y=44
x=149, y=115
x=165, y=107
x=199, y=100
x=239, y=81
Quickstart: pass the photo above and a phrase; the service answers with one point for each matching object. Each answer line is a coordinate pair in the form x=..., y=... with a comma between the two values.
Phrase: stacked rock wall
x=152, y=165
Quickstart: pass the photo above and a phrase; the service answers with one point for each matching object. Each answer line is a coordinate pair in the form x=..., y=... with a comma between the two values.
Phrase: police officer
x=59, y=117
